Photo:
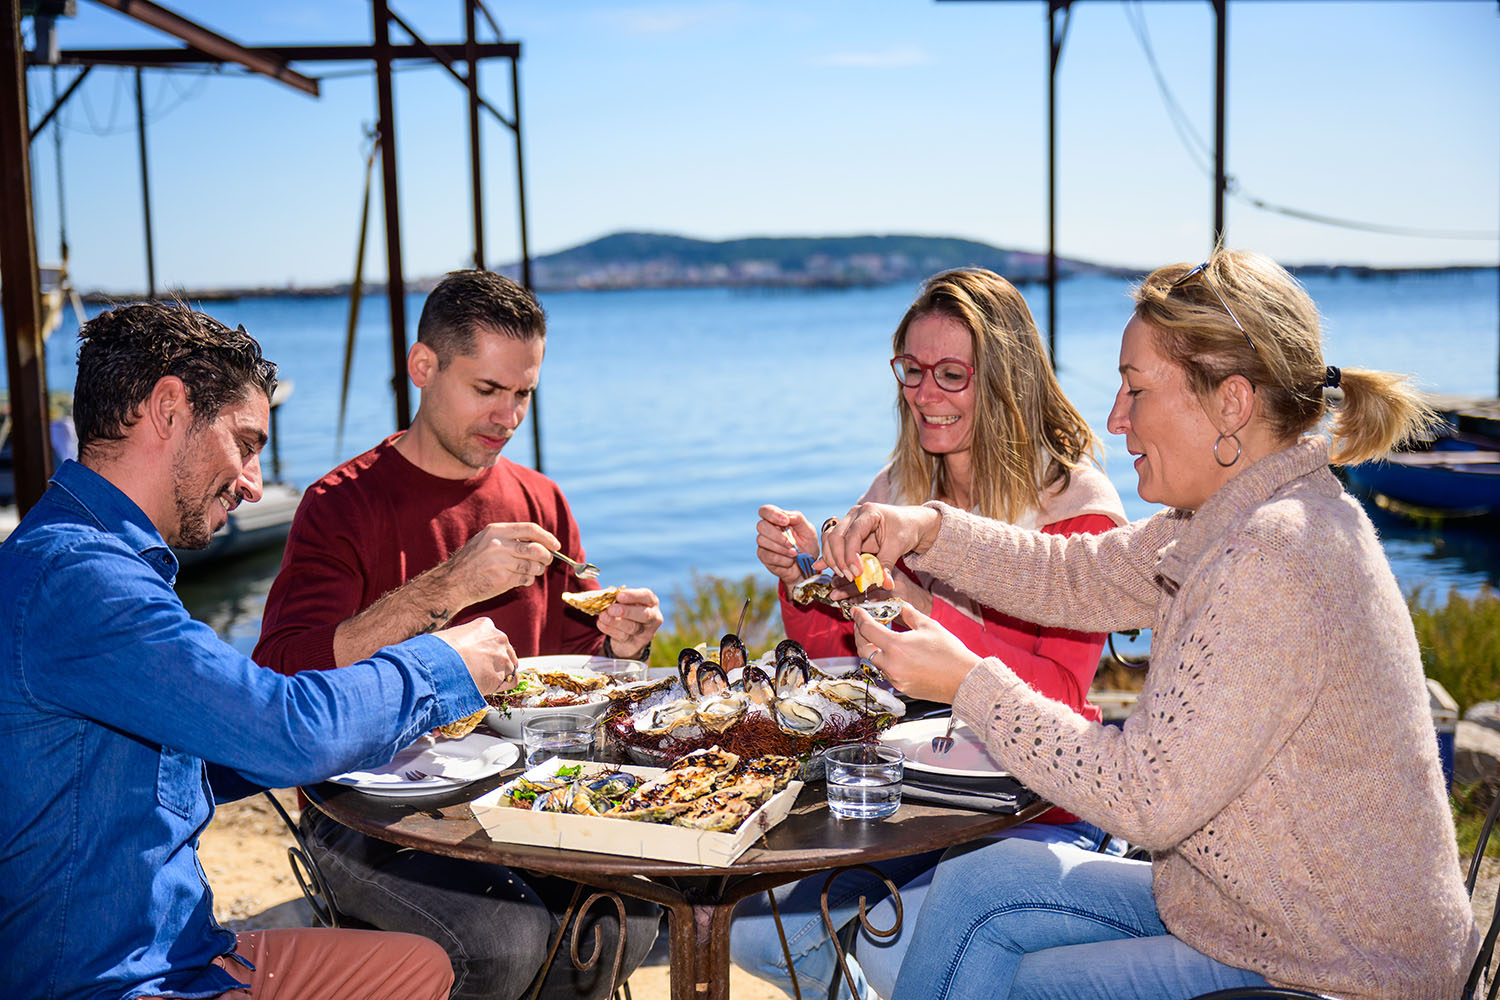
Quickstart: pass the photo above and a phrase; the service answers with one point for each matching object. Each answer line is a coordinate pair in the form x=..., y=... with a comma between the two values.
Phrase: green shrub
x=711, y=607
x=1460, y=642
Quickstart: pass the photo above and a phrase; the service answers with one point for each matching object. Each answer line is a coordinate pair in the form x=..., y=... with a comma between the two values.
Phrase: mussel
x=758, y=685
x=732, y=654
x=787, y=647
x=791, y=673
x=686, y=660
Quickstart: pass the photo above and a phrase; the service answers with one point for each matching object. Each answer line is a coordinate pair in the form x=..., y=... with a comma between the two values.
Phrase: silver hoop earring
x=1236, y=458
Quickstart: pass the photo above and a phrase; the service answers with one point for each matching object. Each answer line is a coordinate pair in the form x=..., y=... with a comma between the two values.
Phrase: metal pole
x=20, y=292
x=1221, y=19
x=140, y=129
x=395, y=283
x=476, y=180
x=515, y=94
x=1054, y=50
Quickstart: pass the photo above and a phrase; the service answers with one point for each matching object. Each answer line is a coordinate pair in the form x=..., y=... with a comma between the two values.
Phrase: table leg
x=699, y=949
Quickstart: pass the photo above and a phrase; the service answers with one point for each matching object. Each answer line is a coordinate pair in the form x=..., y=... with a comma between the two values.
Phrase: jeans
x=1063, y=923
x=755, y=947
x=495, y=923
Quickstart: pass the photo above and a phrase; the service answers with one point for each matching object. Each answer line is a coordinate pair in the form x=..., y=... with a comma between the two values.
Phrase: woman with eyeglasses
x=1280, y=765
x=984, y=426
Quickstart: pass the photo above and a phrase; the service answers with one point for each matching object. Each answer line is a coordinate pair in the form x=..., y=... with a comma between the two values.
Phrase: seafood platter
x=781, y=704
x=706, y=808
x=547, y=685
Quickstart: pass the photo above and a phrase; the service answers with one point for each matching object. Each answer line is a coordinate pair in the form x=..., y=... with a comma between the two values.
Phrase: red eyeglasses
x=949, y=374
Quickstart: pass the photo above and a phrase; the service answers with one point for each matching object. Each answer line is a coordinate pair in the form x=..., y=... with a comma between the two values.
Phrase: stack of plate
x=965, y=777
x=433, y=766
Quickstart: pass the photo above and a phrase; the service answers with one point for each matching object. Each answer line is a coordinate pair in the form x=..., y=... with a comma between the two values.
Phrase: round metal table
x=698, y=898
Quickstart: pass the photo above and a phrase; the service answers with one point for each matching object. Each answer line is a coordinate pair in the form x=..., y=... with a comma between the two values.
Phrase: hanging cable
x=1199, y=152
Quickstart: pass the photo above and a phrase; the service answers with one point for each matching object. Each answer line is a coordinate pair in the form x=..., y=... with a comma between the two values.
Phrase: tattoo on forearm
x=436, y=620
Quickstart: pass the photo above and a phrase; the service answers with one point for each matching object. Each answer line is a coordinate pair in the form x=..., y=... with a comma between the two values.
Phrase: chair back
x=309, y=877
x=1481, y=970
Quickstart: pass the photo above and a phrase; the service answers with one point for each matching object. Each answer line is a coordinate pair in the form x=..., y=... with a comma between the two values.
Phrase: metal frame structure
x=19, y=278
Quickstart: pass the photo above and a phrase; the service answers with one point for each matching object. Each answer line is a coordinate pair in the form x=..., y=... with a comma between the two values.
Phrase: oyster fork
x=804, y=561
x=415, y=775
x=583, y=570
x=942, y=744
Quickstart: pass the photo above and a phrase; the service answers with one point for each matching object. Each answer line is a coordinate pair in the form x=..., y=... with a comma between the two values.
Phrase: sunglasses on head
x=1202, y=271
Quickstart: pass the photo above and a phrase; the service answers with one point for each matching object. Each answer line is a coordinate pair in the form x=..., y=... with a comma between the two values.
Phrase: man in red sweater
x=433, y=527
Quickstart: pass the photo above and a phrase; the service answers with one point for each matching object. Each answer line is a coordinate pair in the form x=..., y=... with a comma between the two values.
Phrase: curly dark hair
x=465, y=302
x=124, y=352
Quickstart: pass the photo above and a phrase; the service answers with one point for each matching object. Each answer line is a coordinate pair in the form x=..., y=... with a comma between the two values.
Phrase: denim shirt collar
x=114, y=512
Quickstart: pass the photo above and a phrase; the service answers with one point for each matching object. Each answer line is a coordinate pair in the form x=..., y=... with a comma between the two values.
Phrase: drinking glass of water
x=864, y=780
x=566, y=734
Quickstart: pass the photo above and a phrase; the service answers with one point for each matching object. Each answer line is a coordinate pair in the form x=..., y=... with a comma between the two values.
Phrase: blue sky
x=728, y=119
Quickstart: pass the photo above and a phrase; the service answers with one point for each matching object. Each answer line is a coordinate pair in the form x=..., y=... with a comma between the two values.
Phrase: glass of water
x=864, y=780
x=566, y=734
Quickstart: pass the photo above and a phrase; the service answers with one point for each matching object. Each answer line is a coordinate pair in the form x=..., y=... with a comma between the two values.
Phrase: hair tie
x=1331, y=377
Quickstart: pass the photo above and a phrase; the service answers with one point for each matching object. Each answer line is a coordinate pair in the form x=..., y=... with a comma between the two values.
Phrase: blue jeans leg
x=754, y=946
x=1036, y=920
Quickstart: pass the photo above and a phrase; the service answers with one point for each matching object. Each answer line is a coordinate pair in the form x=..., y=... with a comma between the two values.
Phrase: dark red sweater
x=377, y=521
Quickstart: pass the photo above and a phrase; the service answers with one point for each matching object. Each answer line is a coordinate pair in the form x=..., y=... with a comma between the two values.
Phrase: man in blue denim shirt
x=125, y=720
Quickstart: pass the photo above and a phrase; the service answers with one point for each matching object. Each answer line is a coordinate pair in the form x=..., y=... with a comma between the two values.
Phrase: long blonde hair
x=1193, y=329
x=1020, y=412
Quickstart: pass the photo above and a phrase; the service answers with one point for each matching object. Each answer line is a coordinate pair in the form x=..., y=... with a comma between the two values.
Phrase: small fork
x=804, y=561
x=942, y=744
x=583, y=570
x=415, y=775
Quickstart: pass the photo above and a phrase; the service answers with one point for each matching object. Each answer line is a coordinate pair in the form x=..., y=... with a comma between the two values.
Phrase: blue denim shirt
x=123, y=721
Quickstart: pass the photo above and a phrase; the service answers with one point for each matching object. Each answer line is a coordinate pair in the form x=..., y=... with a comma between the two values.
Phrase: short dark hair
x=465, y=301
x=124, y=352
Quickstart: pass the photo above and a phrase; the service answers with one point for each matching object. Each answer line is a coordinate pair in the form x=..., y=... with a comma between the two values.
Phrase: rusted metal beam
x=283, y=53
x=536, y=403
x=395, y=284
x=140, y=123
x=476, y=176
x=20, y=292
x=211, y=42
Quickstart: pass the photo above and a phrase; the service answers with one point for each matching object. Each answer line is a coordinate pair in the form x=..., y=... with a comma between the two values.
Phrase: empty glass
x=566, y=734
x=864, y=780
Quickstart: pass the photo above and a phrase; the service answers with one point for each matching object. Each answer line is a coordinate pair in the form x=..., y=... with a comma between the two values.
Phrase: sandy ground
x=244, y=853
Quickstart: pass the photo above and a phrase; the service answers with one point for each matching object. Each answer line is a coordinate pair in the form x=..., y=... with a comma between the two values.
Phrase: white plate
x=509, y=725
x=448, y=764
x=968, y=757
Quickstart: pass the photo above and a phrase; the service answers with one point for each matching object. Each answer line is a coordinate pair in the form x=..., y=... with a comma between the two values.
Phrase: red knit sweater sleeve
x=320, y=585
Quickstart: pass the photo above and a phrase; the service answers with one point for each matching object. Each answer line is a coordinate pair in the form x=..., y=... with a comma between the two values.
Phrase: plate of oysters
x=781, y=702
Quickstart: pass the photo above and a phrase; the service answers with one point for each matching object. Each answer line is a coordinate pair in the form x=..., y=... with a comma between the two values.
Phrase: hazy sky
x=807, y=117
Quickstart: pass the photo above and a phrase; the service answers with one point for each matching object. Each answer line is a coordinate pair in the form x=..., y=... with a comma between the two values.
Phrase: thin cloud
x=891, y=58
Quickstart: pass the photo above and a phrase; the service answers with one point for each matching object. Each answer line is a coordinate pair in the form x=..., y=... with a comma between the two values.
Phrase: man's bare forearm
x=423, y=604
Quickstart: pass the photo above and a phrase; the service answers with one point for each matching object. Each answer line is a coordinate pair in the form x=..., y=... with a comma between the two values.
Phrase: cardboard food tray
x=628, y=837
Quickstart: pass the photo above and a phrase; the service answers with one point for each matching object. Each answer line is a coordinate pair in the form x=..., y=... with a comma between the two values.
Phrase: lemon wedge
x=871, y=573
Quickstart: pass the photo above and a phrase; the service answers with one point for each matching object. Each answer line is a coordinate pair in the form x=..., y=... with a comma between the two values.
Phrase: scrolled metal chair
x=1478, y=973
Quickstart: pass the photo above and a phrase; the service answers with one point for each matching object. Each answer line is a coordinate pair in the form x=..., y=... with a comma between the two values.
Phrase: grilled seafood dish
x=592, y=601
x=704, y=790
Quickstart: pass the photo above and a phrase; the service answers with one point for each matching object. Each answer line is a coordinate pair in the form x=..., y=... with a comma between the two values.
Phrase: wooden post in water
x=20, y=293
x=395, y=282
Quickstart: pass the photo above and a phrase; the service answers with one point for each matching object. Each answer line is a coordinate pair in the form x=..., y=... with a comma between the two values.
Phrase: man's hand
x=928, y=662
x=772, y=548
x=631, y=621
x=498, y=558
x=487, y=653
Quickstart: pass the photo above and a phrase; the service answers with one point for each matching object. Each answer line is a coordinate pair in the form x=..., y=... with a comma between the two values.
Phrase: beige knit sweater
x=1281, y=764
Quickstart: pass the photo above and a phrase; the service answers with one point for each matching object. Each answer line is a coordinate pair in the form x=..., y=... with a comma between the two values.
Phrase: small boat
x=1455, y=474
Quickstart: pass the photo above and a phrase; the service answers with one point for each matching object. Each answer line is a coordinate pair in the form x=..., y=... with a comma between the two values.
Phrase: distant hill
x=661, y=260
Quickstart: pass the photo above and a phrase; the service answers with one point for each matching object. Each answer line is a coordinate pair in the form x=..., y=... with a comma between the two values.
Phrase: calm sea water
x=669, y=416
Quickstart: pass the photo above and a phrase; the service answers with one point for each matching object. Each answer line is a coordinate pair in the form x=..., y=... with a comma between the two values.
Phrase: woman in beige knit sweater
x=1280, y=765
